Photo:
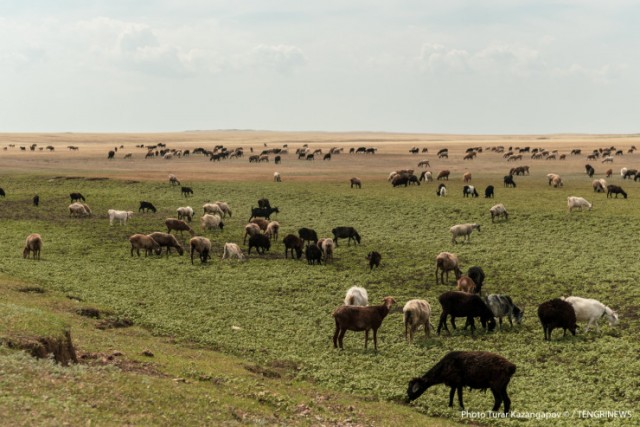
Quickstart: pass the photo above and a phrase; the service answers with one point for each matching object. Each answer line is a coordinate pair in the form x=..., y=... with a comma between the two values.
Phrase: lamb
x=473, y=369
x=79, y=209
x=499, y=211
x=185, y=212
x=502, y=305
x=293, y=242
x=356, y=318
x=33, y=244
x=556, y=313
x=574, y=202
x=224, y=207
x=446, y=262
x=166, y=240
x=173, y=180
x=461, y=304
x=356, y=295
x=121, y=216
x=463, y=230
x=348, y=233
x=202, y=245
x=277, y=177
x=209, y=222
x=466, y=284
x=272, y=230
x=141, y=241
x=178, y=225
x=232, y=250
x=374, y=259
x=590, y=311
x=250, y=230
x=213, y=208
x=260, y=242
x=416, y=312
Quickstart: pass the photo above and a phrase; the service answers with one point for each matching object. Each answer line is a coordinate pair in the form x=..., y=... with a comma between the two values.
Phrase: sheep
x=488, y=192
x=356, y=182
x=250, y=230
x=202, y=245
x=615, y=189
x=508, y=181
x=36, y=200
x=498, y=211
x=356, y=318
x=168, y=241
x=473, y=369
x=443, y=175
x=141, y=241
x=213, y=208
x=466, y=177
x=477, y=275
x=178, y=225
x=466, y=284
x=260, y=222
x=374, y=259
x=623, y=172
x=469, y=190
x=590, y=311
x=79, y=209
x=186, y=191
x=272, y=230
x=557, y=313
x=441, y=191
x=76, y=197
x=426, y=176
x=557, y=182
x=33, y=244
x=446, y=262
x=308, y=234
x=224, y=207
x=574, y=202
x=597, y=186
x=416, y=312
x=260, y=242
x=121, y=216
x=313, y=254
x=232, y=250
x=185, y=212
x=461, y=304
x=293, y=242
x=502, y=305
x=590, y=170
x=348, y=233
x=356, y=295
x=2, y=193
x=608, y=173
x=147, y=206
x=208, y=222
x=551, y=177
x=463, y=230
x=173, y=180
x=277, y=177
x=327, y=246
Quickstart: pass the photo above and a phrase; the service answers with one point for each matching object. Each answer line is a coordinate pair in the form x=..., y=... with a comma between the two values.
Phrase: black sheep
x=76, y=197
x=557, y=313
x=36, y=200
x=374, y=259
x=615, y=189
x=349, y=233
x=461, y=304
x=509, y=182
x=477, y=275
x=260, y=242
x=186, y=191
x=488, y=192
x=473, y=369
x=313, y=254
x=147, y=206
x=400, y=180
x=293, y=242
x=308, y=235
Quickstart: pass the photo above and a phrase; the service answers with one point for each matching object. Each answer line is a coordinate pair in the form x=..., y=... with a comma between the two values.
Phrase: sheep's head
x=25, y=253
x=221, y=225
x=389, y=301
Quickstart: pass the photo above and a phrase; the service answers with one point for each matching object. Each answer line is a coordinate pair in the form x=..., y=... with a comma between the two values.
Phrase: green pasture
x=269, y=309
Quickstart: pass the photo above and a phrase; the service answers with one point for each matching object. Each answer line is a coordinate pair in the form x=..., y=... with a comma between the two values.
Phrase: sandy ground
x=393, y=153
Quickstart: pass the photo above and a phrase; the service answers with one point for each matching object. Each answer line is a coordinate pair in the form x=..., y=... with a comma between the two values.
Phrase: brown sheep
x=32, y=244
x=141, y=241
x=357, y=318
x=446, y=262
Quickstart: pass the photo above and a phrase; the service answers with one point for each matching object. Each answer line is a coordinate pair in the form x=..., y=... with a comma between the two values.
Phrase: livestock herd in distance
x=477, y=370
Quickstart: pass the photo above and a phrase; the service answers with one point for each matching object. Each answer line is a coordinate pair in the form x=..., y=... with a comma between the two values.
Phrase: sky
x=426, y=66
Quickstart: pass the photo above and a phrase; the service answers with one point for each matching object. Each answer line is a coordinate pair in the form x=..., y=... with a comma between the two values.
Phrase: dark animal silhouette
x=76, y=197
x=146, y=207
x=374, y=259
x=349, y=233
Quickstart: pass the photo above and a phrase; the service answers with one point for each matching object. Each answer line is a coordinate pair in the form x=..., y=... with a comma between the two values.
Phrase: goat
x=202, y=245
x=36, y=200
x=178, y=225
x=469, y=190
x=147, y=206
x=508, y=181
x=416, y=312
x=33, y=244
x=462, y=304
x=557, y=313
x=348, y=233
x=463, y=230
x=473, y=369
x=590, y=170
x=121, y=216
x=166, y=240
x=232, y=250
x=293, y=242
x=446, y=262
x=590, y=311
x=502, y=305
x=263, y=212
x=141, y=241
x=374, y=259
x=356, y=318
x=441, y=191
x=356, y=295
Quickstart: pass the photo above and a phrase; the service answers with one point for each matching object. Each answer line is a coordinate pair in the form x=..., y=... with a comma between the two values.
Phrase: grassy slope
x=283, y=307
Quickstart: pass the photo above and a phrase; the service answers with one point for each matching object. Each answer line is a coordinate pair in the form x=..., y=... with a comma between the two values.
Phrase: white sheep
x=121, y=216
x=185, y=212
x=416, y=312
x=499, y=211
x=357, y=295
x=213, y=208
x=209, y=222
x=79, y=209
x=224, y=207
x=277, y=177
x=590, y=311
x=623, y=172
x=574, y=202
x=202, y=245
x=272, y=230
x=463, y=230
x=327, y=246
x=232, y=250
x=597, y=185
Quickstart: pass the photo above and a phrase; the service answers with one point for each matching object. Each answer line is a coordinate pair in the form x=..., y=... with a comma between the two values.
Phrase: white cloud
x=282, y=58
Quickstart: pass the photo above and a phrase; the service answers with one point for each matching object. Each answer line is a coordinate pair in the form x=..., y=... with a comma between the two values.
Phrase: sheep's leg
x=427, y=325
x=505, y=398
x=452, y=393
x=335, y=335
x=460, y=397
x=443, y=322
x=497, y=396
x=366, y=338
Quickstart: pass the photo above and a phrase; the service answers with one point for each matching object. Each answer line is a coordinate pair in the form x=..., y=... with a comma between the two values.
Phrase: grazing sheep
x=327, y=246
x=469, y=190
x=508, y=181
x=186, y=191
x=356, y=182
x=488, y=192
x=557, y=182
x=374, y=259
x=224, y=207
x=185, y=212
x=272, y=230
x=356, y=318
x=443, y=175
x=75, y=197
x=477, y=275
x=590, y=170
x=463, y=230
x=474, y=369
x=147, y=206
x=166, y=240
x=260, y=242
x=250, y=230
x=308, y=235
x=466, y=177
x=121, y=216
x=79, y=209
x=557, y=313
x=313, y=254
x=141, y=241
x=277, y=177
x=202, y=245
x=356, y=295
x=502, y=305
x=348, y=233
x=416, y=312
x=36, y=200
x=466, y=284
x=446, y=262
x=292, y=242
x=213, y=208
x=552, y=176
x=590, y=311
x=623, y=172
x=33, y=244
x=498, y=211
x=173, y=180
x=178, y=225
x=426, y=176
x=615, y=189
x=211, y=222
x=232, y=250
x=400, y=180
x=441, y=191
x=574, y=202
x=461, y=304
x=608, y=173
x=597, y=186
